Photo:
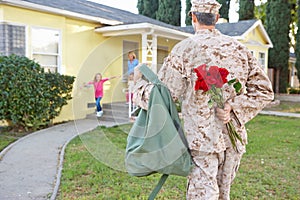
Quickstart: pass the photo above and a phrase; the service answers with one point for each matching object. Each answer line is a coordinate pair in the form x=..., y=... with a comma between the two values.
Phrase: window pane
x=45, y=60
x=45, y=48
x=12, y=39
x=45, y=41
x=262, y=59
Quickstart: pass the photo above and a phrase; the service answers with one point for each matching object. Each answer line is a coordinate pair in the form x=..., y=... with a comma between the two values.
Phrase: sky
x=130, y=5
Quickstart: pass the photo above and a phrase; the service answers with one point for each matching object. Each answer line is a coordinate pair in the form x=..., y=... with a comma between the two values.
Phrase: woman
x=132, y=63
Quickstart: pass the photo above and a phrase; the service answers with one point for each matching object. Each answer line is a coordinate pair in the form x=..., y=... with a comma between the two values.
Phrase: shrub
x=31, y=98
x=293, y=90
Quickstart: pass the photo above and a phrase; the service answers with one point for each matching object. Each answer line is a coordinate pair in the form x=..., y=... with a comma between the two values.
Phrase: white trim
x=48, y=9
x=259, y=59
x=154, y=53
x=141, y=28
x=144, y=48
x=58, y=54
x=258, y=24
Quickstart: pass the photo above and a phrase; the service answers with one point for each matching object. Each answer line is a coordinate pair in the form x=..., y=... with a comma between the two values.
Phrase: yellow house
x=81, y=38
x=253, y=35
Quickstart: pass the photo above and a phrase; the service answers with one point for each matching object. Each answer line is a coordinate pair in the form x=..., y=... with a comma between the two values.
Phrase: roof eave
x=264, y=32
x=140, y=28
x=51, y=10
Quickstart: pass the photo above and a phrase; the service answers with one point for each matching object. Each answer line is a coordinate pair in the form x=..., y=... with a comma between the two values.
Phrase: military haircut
x=207, y=19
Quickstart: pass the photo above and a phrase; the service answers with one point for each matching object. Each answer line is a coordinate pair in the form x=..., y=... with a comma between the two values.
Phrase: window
x=262, y=59
x=46, y=48
x=12, y=39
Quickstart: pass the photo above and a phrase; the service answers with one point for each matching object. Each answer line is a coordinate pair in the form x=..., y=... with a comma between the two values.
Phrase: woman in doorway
x=132, y=63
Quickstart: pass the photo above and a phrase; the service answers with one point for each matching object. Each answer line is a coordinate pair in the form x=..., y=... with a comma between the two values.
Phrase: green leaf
x=232, y=81
x=237, y=86
x=210, y=103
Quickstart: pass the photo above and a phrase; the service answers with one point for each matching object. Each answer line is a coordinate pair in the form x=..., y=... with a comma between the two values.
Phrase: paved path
x=30, y=168
x=282, y=114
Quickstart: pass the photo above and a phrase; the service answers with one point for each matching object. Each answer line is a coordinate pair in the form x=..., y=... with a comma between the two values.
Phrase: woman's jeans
x=98, y=104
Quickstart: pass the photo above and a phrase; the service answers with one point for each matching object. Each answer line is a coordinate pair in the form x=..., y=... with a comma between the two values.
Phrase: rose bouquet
x=211, y=81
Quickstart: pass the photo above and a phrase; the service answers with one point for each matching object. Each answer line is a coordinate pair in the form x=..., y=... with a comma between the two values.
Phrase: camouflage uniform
x=217, y=162
x=206, y=134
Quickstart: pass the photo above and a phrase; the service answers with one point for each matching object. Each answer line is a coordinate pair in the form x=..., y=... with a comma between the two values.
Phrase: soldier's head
x=205, y=12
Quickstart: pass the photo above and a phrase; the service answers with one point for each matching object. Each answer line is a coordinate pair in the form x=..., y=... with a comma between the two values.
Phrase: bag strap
x=184, y=140
x=157, y=188
x=149, y=74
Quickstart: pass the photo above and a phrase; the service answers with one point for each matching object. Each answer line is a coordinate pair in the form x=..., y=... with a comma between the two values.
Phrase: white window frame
x=59, y=53
x=261, y=61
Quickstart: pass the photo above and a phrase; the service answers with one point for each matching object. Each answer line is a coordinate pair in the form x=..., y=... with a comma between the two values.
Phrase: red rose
x=224, y=73
x=211, y=80
x=201, y=85
x=214, y=71
x=201, y=71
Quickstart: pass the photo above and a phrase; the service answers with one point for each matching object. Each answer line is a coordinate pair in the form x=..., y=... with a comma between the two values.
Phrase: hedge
x=30, y=97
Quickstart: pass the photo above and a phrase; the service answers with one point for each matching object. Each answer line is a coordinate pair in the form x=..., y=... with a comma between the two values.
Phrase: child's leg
x=98, y=104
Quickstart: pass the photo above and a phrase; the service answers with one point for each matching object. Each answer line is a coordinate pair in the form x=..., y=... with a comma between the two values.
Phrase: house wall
x=255, y=42
x=83, y=54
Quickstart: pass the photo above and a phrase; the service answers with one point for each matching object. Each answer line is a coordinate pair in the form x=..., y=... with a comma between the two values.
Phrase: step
x=115, y=113
x=116, y=106
x=115, y=119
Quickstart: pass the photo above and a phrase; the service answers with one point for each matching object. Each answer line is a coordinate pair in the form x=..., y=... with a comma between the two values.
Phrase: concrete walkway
x=30, y=168
x=281, y=114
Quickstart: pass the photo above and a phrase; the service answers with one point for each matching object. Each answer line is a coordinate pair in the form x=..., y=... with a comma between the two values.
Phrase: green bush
x=31, y=98
x=293, y=90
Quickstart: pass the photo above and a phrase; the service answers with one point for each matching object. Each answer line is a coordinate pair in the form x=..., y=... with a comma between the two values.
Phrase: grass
x=7, y=137
x=94, y=166
x=285, y=106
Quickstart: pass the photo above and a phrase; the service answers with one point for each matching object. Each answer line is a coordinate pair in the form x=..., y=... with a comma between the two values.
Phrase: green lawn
x=7, y=137
x=286, y=106
x=94, y=166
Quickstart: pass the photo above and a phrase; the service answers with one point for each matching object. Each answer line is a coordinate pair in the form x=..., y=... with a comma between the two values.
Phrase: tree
x=188, y=19
x=169, y=11
x=246, y=10
x=148, y=8
x=260, y=11
x=277, y=25
x=140, y=6
x=224, y=10
x=297, y=49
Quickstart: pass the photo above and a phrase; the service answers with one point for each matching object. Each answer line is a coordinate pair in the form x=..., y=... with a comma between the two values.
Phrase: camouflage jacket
x=205, y=132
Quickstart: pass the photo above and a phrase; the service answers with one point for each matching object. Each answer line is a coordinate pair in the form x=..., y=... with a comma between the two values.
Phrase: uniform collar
x=207, y=31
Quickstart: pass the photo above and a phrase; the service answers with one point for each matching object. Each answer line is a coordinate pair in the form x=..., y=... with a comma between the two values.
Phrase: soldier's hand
x=224, y=114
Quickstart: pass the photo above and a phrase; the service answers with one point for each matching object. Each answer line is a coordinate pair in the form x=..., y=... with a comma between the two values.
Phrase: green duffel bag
x=156, y=142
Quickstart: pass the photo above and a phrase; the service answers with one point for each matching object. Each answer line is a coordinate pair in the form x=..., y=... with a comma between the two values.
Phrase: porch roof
x=143, y=28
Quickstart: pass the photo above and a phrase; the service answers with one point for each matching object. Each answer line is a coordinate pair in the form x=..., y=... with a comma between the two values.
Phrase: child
x=98, y=86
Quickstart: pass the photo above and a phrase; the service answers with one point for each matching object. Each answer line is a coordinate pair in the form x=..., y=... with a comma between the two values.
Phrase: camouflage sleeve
x=141, y=93
x=257, y=95
x=174, y=76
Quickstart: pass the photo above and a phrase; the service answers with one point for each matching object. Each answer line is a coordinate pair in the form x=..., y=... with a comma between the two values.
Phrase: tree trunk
x=277, y=80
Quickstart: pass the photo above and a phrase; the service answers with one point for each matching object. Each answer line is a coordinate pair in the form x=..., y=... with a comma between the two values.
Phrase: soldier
x=217, y=161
